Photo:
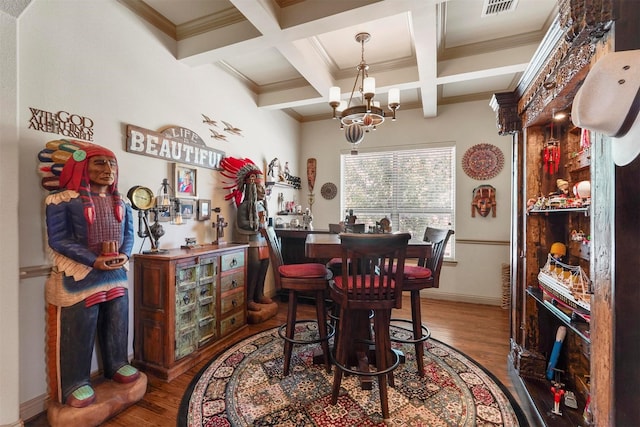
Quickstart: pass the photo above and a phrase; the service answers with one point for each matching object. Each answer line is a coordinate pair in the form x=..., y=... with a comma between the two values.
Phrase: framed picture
x=164, y=215
x=185, y=181
x=204, y=209
x=187, y=208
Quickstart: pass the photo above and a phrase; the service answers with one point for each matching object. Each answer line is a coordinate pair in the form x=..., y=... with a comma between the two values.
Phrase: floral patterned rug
x=244, y=386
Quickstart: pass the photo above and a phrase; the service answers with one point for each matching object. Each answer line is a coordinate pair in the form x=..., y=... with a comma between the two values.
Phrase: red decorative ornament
x=551, y=157
x=367, y=120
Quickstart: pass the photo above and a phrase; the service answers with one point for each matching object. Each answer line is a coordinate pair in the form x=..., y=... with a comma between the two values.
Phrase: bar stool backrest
x=439, y=237
x=372, y=257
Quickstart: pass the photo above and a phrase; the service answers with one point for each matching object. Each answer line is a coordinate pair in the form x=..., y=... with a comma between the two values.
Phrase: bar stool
x=368, y=286
x=426, y=274
x=300, y=279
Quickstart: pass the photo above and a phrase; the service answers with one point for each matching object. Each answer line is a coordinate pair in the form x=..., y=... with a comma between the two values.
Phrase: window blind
x=414, y=188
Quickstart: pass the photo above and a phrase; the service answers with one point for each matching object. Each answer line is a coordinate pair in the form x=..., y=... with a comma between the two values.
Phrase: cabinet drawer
x=186, y=275
x=206, y=309
x=207, y=269
x=231, y=261
x=232, y=301
x=231, y=323
x=206, y=291
x=185, y=300
x=185, y=342
x=206, y=330
x=185, y=319
x=232, y=281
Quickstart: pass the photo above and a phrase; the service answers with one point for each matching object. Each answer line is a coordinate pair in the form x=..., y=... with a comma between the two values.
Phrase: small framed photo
x=187, y=208
x=164, y=215
x=204, y=209
x=185, y=181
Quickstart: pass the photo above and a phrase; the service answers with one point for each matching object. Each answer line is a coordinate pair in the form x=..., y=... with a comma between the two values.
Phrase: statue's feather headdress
x=63, y=166
x=242, y=172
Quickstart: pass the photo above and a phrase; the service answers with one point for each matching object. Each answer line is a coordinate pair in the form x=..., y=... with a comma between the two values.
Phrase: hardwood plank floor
x=479, y=331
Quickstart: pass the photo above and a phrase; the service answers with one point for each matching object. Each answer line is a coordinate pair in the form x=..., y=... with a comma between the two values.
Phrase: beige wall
x=9, y=306
x=98, y=60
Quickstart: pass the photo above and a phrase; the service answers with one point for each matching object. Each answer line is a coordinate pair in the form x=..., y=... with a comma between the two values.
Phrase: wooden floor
x=479, y=331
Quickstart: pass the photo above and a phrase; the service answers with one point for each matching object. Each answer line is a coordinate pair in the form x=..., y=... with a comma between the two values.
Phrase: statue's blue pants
x=78, y=327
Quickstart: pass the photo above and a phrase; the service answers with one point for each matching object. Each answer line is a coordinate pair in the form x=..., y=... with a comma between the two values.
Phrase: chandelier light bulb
x=369, y=87
x=394, y=97
x=334, y=94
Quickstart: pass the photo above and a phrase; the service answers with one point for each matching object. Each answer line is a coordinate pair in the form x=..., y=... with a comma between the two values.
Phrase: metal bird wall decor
x=217, y=135
x=231, y=129
x=228, y=127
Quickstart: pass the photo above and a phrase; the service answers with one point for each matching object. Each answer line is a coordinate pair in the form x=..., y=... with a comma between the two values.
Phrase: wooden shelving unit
x=596, y=360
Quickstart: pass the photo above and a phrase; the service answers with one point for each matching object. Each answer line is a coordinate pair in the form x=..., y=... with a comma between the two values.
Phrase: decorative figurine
x=562, y=188
x=557, y=396
x=307, y=219
x=220, y=225
x=90, y=233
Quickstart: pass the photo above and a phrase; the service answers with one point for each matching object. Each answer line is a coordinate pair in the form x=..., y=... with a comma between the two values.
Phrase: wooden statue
x=248, y=194
x=90, y=235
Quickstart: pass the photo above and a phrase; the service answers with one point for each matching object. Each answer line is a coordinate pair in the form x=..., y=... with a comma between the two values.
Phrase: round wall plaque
x=329, y=190
x=482, y=161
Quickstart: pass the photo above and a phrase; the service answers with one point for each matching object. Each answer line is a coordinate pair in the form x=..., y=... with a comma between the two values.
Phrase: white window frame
x=393, y=212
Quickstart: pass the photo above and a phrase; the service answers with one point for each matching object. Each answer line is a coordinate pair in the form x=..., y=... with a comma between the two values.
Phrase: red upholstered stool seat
x=309, y=271
x=413, y=272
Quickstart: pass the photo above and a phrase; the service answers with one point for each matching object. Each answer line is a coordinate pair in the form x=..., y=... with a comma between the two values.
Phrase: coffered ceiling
x=290, y=52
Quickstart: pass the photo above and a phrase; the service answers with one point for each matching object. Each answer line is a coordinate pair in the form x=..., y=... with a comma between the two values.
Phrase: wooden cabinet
x=184, y=300
x=597, y=361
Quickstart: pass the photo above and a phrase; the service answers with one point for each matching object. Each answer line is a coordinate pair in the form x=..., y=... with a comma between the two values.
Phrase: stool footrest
x=426, y=333
x=330, y=333
x=396, y=356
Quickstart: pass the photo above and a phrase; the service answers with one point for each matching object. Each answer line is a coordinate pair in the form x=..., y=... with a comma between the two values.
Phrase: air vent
x=495, y=7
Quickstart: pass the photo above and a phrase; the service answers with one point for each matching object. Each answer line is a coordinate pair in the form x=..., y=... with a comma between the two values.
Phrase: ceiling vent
x=495, y=7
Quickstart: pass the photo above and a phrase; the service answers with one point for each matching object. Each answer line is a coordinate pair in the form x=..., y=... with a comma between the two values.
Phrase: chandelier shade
x=356, y=119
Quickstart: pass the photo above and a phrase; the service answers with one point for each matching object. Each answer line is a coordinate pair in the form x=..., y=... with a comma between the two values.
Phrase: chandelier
x=367, y=116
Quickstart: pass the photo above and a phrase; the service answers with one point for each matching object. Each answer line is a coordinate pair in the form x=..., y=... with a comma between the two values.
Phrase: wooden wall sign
x=175, y=144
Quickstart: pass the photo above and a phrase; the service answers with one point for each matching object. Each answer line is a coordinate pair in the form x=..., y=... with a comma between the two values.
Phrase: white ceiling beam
x=243, y=39
x=480, y=74
x=263, y=14
x=425, y=35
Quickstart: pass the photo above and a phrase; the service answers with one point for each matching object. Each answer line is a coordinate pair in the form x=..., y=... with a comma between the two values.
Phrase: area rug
x=244, y=386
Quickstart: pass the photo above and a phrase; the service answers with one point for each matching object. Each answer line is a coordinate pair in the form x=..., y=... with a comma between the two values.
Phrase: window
x=413, y=187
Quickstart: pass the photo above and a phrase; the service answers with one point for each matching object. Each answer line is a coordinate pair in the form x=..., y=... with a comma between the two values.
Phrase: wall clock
x=482, y=161
x=329, y=190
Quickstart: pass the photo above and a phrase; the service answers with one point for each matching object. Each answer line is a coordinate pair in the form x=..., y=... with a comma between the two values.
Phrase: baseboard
x=472, y=299
x=34, y=407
